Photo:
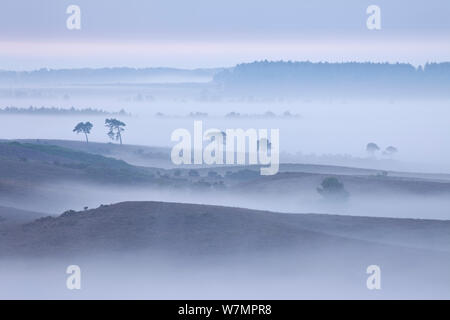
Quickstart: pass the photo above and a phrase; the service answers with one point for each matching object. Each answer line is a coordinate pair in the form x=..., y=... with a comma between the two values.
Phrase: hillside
x=56, y=175
x=12, y=216
x=177, y=228
x=48, y=177
x=177, y=250
x=37, y=163
x=133, y=154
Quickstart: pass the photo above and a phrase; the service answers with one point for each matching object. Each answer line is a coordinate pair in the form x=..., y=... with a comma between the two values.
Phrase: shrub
x=332, y=189
x=193, y=173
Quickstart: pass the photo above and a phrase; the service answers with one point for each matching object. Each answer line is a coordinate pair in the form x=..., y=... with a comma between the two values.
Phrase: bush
x=193, y=173
x=332, y=189
x=213, y=174
x=68, y=213
x=177, y=173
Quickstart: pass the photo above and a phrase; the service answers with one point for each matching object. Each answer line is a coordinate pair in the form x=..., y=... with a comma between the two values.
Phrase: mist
x=141, y=227
x=287, y=275
x=322, y=130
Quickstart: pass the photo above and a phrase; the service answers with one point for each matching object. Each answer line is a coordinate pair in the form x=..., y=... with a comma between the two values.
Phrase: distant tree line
x=59, y=111
x=100, y=75
x=233, y=114
x=268, y=78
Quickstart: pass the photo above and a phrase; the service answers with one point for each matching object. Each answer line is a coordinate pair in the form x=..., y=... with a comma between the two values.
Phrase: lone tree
x=264, y=142
x=115, y=129
x=371, y=148
x=332, y=189
x=84, y=127
x=390, y=151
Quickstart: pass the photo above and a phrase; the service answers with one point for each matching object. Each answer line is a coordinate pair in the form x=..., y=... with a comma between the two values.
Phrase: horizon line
x=416, y=66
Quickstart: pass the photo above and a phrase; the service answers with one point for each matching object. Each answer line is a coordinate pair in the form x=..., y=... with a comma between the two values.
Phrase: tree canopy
x=116, y=127
x=332, y=189
x=84, y=127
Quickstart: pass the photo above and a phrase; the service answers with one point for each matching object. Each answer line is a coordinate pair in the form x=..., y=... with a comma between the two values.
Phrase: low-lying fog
x=319, y=275
x=419, y=130
x=70, y=195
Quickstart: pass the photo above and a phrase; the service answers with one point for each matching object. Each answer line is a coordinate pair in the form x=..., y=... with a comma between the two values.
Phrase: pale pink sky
x=28, y=55
x=205, y=33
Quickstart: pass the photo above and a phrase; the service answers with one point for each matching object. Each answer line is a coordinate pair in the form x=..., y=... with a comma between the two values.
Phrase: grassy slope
x=192, y=229
x=34, y=163
x=295, y=182
x=136, y=155
x=12, y=216
x=26, y=166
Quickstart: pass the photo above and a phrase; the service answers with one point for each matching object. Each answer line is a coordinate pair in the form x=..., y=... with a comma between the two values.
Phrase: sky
x=211, y=33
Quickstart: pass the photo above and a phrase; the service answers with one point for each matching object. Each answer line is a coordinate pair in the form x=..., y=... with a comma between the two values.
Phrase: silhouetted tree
x=84, y=127
x=371, y=148
x=332, y=189
x=390, y=151
x=115, y=129
x=264, y=141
